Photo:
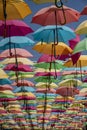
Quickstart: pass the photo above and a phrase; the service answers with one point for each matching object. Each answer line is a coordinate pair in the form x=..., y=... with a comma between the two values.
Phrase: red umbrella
x=67, y=91
x=19, y=67
x=52, y=15
x=72, y=44
x=5, y=87
x=84, y=11
x=19, y=53
x=14, y=28
x=44, y=90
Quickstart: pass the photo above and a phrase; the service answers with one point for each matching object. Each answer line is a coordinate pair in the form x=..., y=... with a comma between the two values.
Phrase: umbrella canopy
x=82, y=28
x=45, y=1
x=53, y=33
x=46, y=58
x=5, y=87
x=19, y=53
x=59, y=49
x=24, y=89
x=14, y=9
x=48, y=65
x=52, y=15
x=19, y=67
x=15, y=42
x=4, y=81
x=81, y=46
x=19, y=60
x=3, y=74
x=70, y=82
x=67, y=91
x=23, y=83
x=84, y=11
x=14, y=28
x=45, y=85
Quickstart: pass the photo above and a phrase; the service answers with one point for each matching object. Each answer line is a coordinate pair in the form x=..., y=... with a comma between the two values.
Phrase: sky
x=75, y=4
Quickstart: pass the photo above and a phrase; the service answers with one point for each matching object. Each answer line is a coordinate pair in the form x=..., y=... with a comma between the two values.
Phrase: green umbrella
x=50, y=65
x=81, y=46
x=71, y=76
x=46, y=79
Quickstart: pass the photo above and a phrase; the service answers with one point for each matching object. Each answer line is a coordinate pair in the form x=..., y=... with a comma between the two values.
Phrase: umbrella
x=81, y=46
x=50, y=65
x=80, y=63
x=23, y=83
x=70, y=82
x=59, y=49
x=44, y=85
x=53, y=33
x=19, y=53
x=52, y=15
x=5, y=87
x=20, y=67
x=24, y=89
x=82, y=28
x=84, y=11
x=67, y=91
x=19, y=60
x=4, y=81
x=45, y=1
x=13, y=9
x=3, y=75
x=14, y=28
x=15, y=42
x=46, y=58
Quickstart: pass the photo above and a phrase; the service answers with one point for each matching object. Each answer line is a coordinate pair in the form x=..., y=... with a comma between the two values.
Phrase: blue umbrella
x=24, y=89
x=4, y=81
x=53, y=33
x=15, y=42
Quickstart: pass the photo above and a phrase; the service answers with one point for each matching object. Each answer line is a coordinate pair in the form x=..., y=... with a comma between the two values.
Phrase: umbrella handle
x=64, y=22
x=59, y=5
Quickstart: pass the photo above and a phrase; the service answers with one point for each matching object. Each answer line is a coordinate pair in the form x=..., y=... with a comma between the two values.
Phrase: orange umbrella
x=51, y=49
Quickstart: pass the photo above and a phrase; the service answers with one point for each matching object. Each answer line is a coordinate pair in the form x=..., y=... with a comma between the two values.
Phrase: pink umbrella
x=5, y=87
x=19, y=53
x=23, y=83
x=48, y=74
x=14, y=28
x=67, y=91
x=46, y=58
x=84, y=11
x=44, y=90
x=19, y=67
x=52, y=15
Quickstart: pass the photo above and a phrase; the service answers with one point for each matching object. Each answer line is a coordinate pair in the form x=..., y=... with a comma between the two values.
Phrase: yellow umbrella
x=19, y=60
x=42, y=106
x=13, y=9
x=44, y=85
x=70, y=82
x=82, y=61
x=51, y=49
x=7, y=92
x=22, y=77
x=82, y=28
x=43, y=1
x=3, y=74
x=29, y=94
x=83, y=90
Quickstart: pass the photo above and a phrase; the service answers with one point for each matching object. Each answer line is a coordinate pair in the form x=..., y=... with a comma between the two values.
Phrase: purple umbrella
x=14, y=28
